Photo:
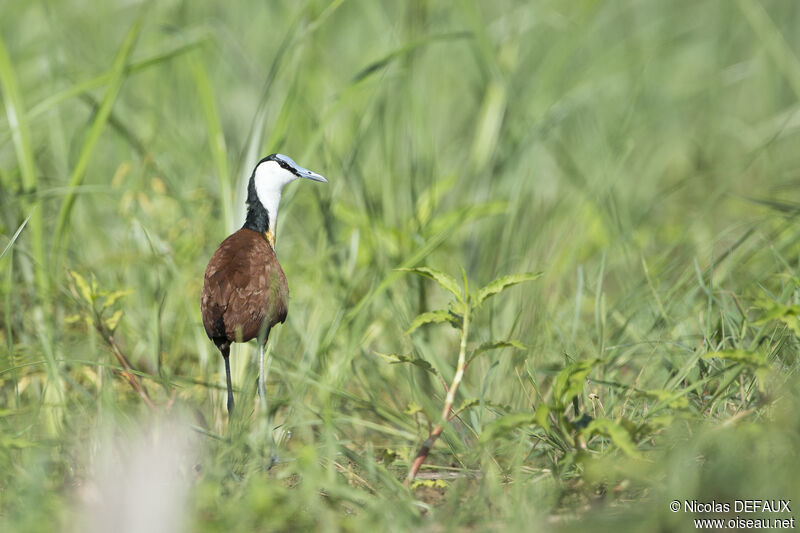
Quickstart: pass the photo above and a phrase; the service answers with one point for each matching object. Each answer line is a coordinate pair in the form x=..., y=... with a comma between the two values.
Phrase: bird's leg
x=225, y=354
x=263, y=371
x=262, y=377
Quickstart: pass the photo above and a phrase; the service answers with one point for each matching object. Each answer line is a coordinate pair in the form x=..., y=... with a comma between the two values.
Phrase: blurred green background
x=641, y=154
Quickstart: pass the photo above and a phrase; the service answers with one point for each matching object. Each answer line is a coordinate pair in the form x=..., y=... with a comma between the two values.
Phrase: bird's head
x=264, y=190
x=276, y=170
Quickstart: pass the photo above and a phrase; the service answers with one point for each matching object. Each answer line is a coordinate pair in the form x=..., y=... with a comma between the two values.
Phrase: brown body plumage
x=244, y=290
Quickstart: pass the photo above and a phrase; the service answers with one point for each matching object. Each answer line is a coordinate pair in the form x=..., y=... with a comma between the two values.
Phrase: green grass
x=642, y=155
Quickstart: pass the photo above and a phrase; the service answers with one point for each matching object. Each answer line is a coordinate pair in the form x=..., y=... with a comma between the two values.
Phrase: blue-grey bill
x=300, y=171
x=305, y=173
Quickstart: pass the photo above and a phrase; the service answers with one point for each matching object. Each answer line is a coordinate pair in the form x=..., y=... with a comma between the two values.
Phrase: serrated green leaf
x=793, y=323
x=83, y=287
x=446, y=281
x=112, y=298
x=430, y=483
x=501, y=284
x=496, y=345
x=73, y=319
x=739, y=356
x=468, y=403
x=570, y=381
x=787, y=314
x=434, y=317
x=616, y=432
x=778, y=311
x=416, y=361
x=112, y=321
x=457, y=308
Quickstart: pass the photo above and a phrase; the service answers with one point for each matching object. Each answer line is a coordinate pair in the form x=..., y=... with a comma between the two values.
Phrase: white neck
x=271, y=201
x=270, y=178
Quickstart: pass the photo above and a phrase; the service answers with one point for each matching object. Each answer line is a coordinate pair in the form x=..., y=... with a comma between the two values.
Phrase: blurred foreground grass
x=643, y=155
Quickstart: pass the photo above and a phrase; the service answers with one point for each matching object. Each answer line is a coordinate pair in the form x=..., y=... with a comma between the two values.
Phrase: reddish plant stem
x=127, y=368
x=426, y=447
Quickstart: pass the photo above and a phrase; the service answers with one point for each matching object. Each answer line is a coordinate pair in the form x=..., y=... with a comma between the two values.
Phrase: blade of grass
x=292, y=37
x=18, y=123
x=776, y=45
x=96, y=128
x=256, y=133
x=103, y=79
x=405, y=50
x=14, y=237
x=216, y=138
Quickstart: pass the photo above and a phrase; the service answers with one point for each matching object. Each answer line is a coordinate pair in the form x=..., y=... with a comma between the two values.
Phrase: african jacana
x=244, y=290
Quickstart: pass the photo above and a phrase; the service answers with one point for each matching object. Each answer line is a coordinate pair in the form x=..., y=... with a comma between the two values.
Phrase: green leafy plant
x=458, y=315
x=99, y=310
x=562, y=421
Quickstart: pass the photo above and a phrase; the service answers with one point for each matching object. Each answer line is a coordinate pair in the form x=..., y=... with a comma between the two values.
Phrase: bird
x=245, y=292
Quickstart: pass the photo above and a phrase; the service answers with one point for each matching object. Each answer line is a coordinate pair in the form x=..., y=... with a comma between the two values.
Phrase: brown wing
x=244, y=289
